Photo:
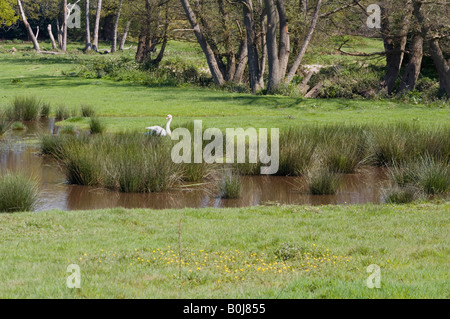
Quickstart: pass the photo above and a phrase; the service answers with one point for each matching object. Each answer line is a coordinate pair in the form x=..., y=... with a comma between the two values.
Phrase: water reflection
x=19, y=153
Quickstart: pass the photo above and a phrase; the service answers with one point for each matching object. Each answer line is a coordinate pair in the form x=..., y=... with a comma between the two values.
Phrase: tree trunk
x=230, y=69
x=442, y=66
x=284, y=47
x=241, y=62
x=272, y=50
x=28, y=27
x=140, y=53
x=210, y=58
x=412, y=71
x=394, y=45
x=59, y=33
x=88, y=27
x=52, y=38
x=253, y=58
x=312, y=27
x=124, y=36
x=97, y=26
x=116, y=25
x=64, y=27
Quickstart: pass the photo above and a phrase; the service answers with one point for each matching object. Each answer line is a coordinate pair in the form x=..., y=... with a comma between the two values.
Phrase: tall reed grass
x=230, y=186
x=128, y=162
x=24, y=108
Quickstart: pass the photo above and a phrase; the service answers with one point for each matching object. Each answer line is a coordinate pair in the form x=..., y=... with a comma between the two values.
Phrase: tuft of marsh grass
x=68, y=130
x=401, y=195
x=62, y=113
x=18, y=193
x=403, y=142
x=25, y=108
x=322, y=181
x=87, y=111
x=18, y=126
x=230, y=187
x=296, y=151
x=195, y=172
x=4, y=125
x=45, y=110
x=430, y=175
x=96, y=126
x=128, y=162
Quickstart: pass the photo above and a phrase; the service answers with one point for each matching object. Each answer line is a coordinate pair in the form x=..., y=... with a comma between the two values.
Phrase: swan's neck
x=168, y=127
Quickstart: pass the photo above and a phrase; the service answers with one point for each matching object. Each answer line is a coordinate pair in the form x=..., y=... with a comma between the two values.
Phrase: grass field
x=258, y=252
x=126, y=105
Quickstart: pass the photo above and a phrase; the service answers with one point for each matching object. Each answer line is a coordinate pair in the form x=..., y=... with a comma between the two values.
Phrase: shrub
x=18, y=193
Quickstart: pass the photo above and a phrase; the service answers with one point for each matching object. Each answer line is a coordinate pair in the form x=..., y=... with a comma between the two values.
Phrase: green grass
x=112, y=248
x=127, y=105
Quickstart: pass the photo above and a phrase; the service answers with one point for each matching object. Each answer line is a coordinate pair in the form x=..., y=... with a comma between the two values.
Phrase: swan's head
x=169, y=117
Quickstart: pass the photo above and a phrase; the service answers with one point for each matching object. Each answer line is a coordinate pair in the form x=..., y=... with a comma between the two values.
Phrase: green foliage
x=168, y=73
x=349, y=80
x=7, y=13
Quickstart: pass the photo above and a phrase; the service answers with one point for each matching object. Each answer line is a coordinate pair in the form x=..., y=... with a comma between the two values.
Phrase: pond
x=19, y=151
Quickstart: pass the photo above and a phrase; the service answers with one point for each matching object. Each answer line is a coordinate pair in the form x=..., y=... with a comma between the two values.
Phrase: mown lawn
x=257, y=252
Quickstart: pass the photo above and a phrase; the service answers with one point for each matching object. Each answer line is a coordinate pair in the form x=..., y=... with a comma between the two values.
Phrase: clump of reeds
x=430, y=175
x=230, y=187
x=296, y=151
x=322, y=181
x=18, y=193
x=45, y=110
x=24, y=108
x=96, y=126
x=128, y=162
x=401, y=195
x=18, y=126
x=87, y=111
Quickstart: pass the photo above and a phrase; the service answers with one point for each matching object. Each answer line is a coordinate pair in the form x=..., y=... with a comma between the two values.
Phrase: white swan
x=158, y=130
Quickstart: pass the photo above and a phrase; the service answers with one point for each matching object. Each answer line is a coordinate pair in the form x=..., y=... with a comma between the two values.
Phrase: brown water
x=20, y=152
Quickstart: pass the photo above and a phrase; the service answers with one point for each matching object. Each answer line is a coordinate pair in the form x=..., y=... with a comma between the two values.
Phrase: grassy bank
x=258, y=252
